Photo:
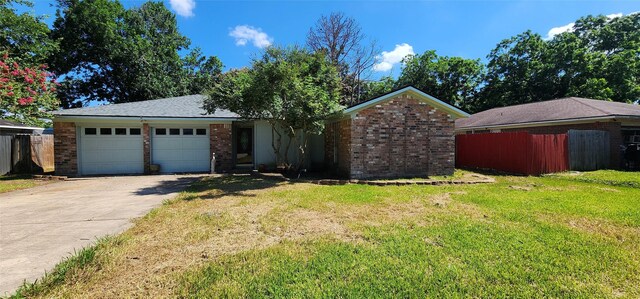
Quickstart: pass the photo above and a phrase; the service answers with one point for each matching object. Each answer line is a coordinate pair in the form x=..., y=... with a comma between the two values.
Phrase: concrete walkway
x=42, y=225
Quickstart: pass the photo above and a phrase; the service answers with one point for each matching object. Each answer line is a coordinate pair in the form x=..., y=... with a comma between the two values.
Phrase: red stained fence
x=517, y=152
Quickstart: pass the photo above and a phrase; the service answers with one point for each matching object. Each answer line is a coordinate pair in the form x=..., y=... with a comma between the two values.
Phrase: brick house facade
x=65, y=153
x=404, y=135
x=220, y=143
x=400, y=134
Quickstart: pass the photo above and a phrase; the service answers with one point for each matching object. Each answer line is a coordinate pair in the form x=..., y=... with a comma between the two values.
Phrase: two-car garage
x=120, y=150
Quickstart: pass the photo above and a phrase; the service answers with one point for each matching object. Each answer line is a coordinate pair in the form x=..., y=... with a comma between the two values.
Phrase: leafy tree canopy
x=293, y=89
x=108, y=53
x=24, y=37
x=454, y=80
x=599, y=58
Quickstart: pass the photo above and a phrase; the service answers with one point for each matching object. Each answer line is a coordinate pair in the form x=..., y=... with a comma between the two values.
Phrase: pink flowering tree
x=27, y=93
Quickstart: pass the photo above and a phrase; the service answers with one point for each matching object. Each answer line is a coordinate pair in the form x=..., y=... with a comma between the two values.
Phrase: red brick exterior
x=220, y=141
x=401, y=137
x=65, y=148
x=614, y=129
x=146, y=148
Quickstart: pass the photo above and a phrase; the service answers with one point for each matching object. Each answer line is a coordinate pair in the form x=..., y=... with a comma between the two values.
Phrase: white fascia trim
x=538, y=124
x=21, y=128
x=142, y=119
x=438, y=103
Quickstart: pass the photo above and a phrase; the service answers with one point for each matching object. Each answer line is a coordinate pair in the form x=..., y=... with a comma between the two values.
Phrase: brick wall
x=146, y=147
x=402, y=137
x=220, y=140
x=65, y=148
x=614, y=129
x=337, y=151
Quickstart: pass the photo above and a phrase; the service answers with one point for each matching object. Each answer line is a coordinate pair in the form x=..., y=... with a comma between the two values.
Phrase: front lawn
x=552, y=236
x=17, y=182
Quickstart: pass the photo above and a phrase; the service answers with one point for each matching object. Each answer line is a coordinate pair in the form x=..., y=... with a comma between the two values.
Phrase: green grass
x=554, y=236
x=67, y=268
x=17, y=182
x=608, y=177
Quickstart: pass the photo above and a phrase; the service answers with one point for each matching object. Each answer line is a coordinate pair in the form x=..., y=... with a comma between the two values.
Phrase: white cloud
x=386, y=60
x=183, y=7
x=614, y=15
x=557, y=30
x=245, y=33
x=569, y=27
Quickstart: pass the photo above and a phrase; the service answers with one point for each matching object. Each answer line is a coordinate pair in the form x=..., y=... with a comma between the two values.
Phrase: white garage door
x=181, y=149
x=111, y=150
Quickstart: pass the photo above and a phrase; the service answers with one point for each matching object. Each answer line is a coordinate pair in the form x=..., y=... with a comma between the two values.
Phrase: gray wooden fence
x=589, y=150
x=5, y=154
x=26, y=154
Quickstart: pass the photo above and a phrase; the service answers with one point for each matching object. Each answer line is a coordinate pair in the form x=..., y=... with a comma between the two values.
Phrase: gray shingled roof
x=554, y=110
x=177, y=107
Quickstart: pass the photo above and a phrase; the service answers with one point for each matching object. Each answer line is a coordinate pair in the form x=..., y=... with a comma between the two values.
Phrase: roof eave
x=547, y=122
x=20, y=127
x=59, y=117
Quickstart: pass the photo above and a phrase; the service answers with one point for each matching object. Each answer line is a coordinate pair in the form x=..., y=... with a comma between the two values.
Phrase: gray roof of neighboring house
x=14, y=125
x=177, y=107
x=554, y=110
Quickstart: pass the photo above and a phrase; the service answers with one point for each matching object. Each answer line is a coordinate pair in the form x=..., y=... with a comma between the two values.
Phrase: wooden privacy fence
x=26, y=154
x=517, y=152
x=589, y=150
x=5, y=154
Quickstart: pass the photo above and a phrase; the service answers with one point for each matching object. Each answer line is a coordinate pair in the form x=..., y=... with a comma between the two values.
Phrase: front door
x=244, y=146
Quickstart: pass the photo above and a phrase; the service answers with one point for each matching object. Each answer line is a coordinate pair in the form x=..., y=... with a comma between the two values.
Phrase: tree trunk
x=302, y=150
x=291, y=135
x=276, y=143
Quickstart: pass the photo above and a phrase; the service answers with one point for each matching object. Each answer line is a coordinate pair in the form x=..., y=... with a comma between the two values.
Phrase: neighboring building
x=621, y=120
x=403, y=133
x=14, y=128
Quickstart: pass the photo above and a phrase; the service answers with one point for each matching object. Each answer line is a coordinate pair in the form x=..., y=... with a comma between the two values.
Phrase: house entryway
x=244, y=152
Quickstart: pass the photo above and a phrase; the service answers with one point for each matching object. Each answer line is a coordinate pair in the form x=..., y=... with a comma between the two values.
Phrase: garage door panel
x=111, y=154
x=181, y=153
x=195, y=154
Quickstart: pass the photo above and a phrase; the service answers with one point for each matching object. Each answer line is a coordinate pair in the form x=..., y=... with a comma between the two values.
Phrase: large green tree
x=455, y=80
x=518, y=72
x=293, y=89
x=24, y=36
x=599, y=58
x=109, y=53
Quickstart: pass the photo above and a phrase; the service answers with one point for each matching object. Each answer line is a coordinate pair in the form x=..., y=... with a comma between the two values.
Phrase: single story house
x=621, y=120
x=403, y=133
x=14, y=128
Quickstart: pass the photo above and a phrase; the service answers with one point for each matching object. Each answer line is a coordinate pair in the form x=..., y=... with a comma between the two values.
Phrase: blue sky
x=235, y=31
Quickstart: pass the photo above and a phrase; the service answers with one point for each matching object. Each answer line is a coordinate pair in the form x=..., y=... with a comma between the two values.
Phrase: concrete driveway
x=41, y=225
